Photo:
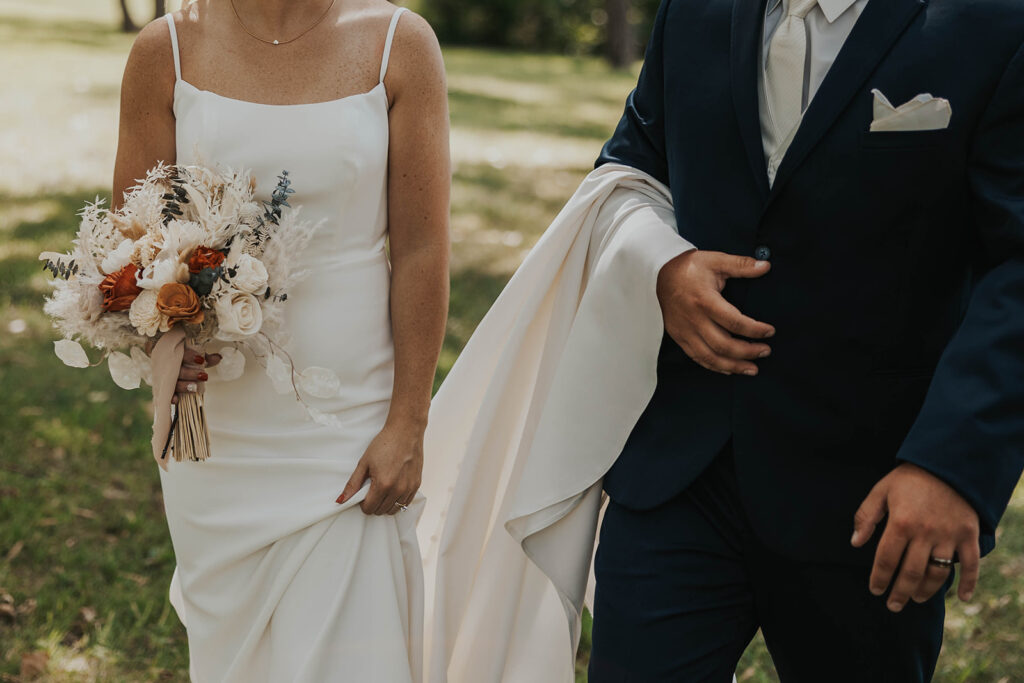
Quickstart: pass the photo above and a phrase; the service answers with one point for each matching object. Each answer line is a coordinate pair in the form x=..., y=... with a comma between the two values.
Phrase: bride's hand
x=394, y=465
x=193, y=371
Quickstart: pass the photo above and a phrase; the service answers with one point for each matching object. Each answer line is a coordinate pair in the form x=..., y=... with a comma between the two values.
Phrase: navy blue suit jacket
x=897, y=280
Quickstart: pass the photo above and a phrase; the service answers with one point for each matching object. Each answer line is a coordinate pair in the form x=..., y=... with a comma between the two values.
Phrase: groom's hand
x=699, y=318
x=927, y=518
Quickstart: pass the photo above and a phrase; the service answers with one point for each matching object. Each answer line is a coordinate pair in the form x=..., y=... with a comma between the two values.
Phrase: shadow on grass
x=471, y=110
x=592, y=75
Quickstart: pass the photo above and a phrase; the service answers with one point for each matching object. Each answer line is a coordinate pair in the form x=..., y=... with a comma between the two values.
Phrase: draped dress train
x=274, y=580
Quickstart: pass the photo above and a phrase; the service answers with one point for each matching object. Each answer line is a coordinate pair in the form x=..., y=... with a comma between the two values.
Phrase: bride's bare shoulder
x=415, y=58
x=372, y=17
x=151, y=51
x=150, y=64
x=149, y=70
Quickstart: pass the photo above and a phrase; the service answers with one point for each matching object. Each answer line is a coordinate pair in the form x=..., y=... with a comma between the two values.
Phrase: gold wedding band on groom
x=940, y=562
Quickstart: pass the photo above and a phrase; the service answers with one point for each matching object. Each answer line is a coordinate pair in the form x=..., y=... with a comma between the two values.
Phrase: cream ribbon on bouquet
x=184, y=432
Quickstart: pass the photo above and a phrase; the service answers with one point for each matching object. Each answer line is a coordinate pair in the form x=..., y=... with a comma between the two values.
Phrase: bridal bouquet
x=191, y=257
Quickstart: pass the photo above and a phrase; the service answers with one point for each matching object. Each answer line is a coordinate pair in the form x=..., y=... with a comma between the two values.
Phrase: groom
x=844, y=350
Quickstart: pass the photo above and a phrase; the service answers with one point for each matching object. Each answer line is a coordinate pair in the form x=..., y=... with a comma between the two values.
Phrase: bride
x=297, y=557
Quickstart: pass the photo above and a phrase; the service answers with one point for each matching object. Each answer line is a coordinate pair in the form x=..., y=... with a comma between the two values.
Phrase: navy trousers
x=683, y=588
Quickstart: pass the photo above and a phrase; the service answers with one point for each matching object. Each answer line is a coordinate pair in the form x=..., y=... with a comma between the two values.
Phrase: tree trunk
x=620, y=33
x=161, y=8
x=127, y=25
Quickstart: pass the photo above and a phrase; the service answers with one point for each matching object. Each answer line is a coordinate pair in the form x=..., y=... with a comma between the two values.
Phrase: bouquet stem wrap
x=187, y=436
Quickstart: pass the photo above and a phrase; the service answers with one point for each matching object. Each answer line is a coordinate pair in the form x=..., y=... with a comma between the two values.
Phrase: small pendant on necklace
x=275, y=42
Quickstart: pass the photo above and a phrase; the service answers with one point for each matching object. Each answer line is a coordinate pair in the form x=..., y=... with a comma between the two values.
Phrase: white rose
x=238, y=315
x=161, y=272
x=250, y=274
x=145, y=316
x=119, y=258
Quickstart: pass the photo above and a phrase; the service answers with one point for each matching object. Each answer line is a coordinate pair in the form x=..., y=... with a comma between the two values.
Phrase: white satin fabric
x=274, y=580
x=534, y=412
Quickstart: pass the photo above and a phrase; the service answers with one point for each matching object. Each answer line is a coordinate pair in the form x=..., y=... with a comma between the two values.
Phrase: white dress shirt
x=828, y=26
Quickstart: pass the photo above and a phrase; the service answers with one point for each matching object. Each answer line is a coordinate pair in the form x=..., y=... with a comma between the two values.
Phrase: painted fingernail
x=199, y=360
x=202, y=376
x=765, y=353
x=876, y=591
x=750, y=372
x=895, y=606
x=853, y=539
x=191, y=386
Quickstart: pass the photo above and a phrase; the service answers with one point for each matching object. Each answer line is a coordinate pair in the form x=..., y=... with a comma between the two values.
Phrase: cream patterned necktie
x=784, y=71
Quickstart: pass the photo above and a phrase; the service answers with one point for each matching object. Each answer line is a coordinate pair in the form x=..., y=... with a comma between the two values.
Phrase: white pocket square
x=924, y=112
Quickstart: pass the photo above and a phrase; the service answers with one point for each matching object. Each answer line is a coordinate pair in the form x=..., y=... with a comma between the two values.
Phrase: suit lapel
x=880, y=25
x=747, y=22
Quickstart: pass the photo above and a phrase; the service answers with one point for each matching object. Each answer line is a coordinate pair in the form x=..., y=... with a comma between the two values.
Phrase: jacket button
x=762, y=253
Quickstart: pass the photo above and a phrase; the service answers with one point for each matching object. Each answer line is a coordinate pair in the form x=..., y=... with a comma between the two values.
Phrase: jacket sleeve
x=970, y=431
x=639, y=139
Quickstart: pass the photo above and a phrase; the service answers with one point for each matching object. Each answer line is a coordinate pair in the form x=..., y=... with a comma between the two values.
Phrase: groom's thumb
x=868, y=515
x=731, y=265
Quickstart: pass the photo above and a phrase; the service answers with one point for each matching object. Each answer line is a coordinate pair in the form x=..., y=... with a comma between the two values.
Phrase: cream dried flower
x=161, y=272
x=145, y=316
x=146, y=249
x=118, y=258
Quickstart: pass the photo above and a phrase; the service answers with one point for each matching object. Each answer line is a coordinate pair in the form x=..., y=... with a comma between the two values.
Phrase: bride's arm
x=146, y=126
x=146, y=136
x=419, y=182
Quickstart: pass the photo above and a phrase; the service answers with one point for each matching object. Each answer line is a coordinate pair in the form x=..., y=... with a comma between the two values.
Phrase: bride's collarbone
x=316, y=68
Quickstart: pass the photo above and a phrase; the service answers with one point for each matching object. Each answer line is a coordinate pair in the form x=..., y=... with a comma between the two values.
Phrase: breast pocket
x=905, y=139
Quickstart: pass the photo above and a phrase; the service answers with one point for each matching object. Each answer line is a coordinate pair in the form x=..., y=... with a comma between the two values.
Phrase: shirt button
x=762, y=253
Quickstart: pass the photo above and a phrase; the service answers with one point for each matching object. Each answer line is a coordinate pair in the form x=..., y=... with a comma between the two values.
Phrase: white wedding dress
x=275, y=581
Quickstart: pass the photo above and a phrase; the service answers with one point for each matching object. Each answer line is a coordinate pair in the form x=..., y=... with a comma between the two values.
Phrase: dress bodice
x=338, y=316
x=335, y=152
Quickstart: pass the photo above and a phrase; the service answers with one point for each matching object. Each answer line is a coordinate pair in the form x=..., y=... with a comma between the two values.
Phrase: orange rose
x=179, y=302
x=120, y=289
x=204, y=257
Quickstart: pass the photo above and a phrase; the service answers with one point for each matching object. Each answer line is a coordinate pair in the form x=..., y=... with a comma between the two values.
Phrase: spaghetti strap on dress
x=387, y=41
x=174, y=45
x=274, y=580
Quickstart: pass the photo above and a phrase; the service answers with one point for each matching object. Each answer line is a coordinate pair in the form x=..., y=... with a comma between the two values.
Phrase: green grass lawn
x=85, y=558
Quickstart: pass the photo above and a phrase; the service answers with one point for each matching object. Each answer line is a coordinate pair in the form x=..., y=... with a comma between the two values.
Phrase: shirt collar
x=832, y=9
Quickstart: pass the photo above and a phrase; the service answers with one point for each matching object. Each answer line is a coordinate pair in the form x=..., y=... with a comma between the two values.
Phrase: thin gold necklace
x=279, y=42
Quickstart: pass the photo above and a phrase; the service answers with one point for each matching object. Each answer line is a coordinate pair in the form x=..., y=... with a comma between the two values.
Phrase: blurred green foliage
x=574, y=27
